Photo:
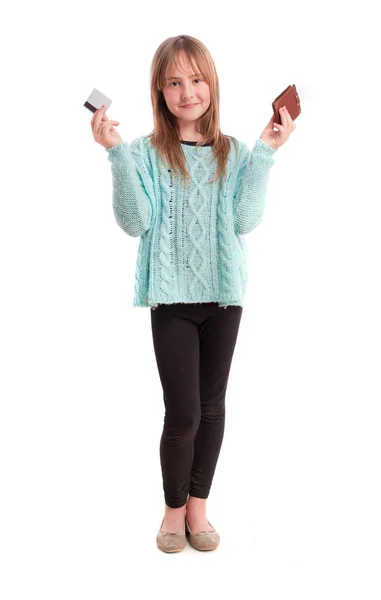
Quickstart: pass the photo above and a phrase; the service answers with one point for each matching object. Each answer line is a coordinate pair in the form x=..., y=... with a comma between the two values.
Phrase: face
x=184, y=88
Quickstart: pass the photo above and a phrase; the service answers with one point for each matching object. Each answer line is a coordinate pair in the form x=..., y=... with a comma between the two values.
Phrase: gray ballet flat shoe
x=171, y=541
x=203, y=540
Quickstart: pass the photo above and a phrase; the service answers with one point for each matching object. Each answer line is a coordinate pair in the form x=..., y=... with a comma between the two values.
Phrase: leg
x=176, y=344
x=218, y=336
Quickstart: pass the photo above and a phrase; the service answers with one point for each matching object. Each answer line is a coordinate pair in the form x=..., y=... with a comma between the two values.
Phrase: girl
x=190, y=193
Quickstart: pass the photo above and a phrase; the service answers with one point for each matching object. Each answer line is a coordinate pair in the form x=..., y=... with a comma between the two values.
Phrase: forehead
x=182, y=68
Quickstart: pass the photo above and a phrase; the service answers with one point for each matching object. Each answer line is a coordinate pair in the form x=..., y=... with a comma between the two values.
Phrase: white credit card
x=96, y=100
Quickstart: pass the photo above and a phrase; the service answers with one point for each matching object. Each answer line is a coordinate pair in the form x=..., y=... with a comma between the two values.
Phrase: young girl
x=190, y=193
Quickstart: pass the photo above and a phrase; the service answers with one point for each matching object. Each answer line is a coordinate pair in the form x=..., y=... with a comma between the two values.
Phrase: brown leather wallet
x=289, y=98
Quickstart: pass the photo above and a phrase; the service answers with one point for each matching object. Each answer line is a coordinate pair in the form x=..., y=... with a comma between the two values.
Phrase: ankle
x=175, y=511
x=196, y=504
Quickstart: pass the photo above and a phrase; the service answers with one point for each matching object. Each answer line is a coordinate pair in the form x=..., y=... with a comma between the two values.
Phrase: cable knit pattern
x=166, y=236
x=191, y=248
x=196, y=229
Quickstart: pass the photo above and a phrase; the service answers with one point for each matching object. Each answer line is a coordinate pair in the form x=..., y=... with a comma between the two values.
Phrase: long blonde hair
x=165, y=136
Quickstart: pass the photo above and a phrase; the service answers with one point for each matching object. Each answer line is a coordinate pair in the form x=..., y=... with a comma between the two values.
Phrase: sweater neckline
x=189, y=143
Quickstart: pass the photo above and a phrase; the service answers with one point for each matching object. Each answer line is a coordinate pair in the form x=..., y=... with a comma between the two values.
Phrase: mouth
x=188, y=105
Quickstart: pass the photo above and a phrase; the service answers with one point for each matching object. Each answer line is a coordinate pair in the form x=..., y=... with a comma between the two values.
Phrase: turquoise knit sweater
x=191, y=246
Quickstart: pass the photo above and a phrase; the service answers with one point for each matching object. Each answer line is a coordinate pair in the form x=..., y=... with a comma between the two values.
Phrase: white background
x=296, y=493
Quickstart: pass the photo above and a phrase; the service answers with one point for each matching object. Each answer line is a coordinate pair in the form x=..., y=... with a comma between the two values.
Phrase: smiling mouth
x=188, y=105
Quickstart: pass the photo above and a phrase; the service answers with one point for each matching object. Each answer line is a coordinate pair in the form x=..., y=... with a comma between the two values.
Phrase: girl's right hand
x=103, y=130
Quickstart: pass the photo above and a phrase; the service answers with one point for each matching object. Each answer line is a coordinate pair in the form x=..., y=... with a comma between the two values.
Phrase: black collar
x=191, y=143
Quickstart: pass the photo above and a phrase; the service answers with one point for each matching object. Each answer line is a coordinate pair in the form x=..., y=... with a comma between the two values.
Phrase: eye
x=171, y=84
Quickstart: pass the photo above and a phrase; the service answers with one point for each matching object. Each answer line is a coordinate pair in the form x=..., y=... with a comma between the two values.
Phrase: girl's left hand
x=275, y=139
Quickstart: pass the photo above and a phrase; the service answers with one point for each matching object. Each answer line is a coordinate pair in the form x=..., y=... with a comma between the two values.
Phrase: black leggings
x=194, y=346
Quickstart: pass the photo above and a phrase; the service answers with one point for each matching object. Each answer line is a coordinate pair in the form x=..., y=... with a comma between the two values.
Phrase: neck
x=190, y=134
x=191, y=137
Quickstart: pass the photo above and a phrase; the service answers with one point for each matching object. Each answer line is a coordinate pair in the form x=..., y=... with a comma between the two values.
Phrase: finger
x=95, y=122
x=109, y=122
x=95, y=115
x=106, y=124
x=92, y=120
x=104, y=119
x=289, y=121
x=98, y=117
x=286, y=116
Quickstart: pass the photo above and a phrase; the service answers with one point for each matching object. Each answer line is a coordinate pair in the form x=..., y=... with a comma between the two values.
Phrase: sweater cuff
x=265, y=148
x=117, y=148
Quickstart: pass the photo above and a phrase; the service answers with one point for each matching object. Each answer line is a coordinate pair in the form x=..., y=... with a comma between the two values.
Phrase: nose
x=187, y=91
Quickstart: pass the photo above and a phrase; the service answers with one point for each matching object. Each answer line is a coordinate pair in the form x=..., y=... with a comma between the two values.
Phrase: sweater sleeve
x=251, y=186
x=132, y=187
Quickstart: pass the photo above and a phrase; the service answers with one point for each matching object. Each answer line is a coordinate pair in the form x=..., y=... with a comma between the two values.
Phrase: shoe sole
x=170, y=551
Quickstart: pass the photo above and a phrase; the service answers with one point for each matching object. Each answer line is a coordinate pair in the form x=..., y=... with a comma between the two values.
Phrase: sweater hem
x=155, y=303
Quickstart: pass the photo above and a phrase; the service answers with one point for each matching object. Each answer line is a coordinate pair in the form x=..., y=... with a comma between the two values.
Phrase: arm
x=132, y=187
x=251, y=186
